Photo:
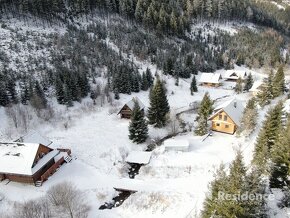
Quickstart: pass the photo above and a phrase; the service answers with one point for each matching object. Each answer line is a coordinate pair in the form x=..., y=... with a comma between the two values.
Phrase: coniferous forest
x=147, y=24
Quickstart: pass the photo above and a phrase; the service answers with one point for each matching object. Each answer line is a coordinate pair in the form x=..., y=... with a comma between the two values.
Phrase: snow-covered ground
x=174, y=184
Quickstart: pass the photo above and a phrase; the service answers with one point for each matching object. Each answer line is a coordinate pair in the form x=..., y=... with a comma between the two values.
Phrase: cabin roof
x=131, y=104
x=210, y=78
x=233, y=108
x=256, y=86
x=174, y=143
x=232, y=74
x=34, y=137
x=140, y=157
x=18, y=158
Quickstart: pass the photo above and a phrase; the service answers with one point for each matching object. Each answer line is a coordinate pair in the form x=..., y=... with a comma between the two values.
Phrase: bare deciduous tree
x=67, y=199
x=33, y=209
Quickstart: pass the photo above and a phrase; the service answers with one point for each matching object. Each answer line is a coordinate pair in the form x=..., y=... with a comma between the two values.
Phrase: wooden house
x=29, y=162
x=226, y=117
x=233, y=76
x=210, y=79
x=127, y=109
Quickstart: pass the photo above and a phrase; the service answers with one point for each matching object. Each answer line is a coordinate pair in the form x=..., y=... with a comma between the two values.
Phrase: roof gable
x=233, y=108
x=130, y=104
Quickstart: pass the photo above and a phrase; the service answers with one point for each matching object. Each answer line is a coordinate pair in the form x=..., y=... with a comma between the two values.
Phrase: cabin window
x=227, y=126
x=225, y=118
x=220, y=116
x=217, y=124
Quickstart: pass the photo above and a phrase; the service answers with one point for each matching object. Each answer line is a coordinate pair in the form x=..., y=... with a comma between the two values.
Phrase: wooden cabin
x=210, y=79
x=127, y=109
x=226, y=117
x=233, y=76
x=29, y=162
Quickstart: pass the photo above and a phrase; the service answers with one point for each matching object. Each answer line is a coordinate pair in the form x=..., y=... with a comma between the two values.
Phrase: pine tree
x=267, y=137
x=38, y=97
x=249, y=118
x=212, y=203
x=144, y=82
x=236, y=185
x=59, y=89
x=206, y=106
x=26, y=92
x=138, y=126
x=67, y=97
x=149, y=77
x=4, y=99
x=193, y=87
x=159, y=107
x=279, y=82
x=249, y=83
x=11, y=91
x=266, y=94
x=239, y=86
x=280, y=160
x=205, y=109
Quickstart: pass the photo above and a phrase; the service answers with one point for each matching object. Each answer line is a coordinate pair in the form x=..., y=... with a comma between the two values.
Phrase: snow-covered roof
x=233, y=108
x=232, y=74
x=140, y=157
x=256, y=86
x=176, y=143
x=210, y=78
x=18, y=158
x=131, y=103
x=34, y=137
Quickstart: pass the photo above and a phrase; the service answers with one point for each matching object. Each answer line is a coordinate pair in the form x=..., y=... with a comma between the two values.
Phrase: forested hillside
x=165, y=33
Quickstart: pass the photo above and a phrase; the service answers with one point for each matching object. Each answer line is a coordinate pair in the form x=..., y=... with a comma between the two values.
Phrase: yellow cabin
x=226, y=117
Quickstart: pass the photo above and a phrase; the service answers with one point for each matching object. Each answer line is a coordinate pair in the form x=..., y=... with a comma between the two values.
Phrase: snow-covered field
x=173, y=184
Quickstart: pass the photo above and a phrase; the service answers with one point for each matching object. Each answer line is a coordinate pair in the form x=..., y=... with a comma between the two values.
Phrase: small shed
x=139, y=157
x=176, y=145
x=210, y=79
x=127, y=109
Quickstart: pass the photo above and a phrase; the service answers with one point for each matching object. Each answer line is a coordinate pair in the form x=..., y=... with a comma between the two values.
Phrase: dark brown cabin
x=127, y=109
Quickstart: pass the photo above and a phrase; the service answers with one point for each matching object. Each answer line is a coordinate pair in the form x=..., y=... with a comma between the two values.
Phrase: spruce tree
x=235, y=185
x=266, y=94
x=205, y=109
x=11, y=91
x=138, y=128
x=4, y=99
x=38, y=98
x=280, y=160
x=193, y=86
x=267, y=137
x=239, y=86
x=279, y=82
x=59, y=89
x=212, y=205
x=159, y=107
x=249, y=83
x=206, y=106
x=149, y=77
x=249, y=118
x=144, y=82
